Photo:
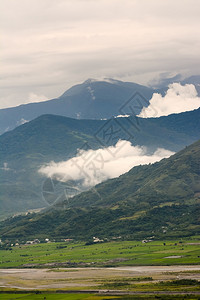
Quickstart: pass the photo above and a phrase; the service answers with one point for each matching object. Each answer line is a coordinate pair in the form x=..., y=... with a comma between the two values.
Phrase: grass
x=116, y=253
x=134, y=284
x=49, y=296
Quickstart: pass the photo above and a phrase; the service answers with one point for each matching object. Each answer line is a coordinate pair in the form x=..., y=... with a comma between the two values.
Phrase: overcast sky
x=49, y=45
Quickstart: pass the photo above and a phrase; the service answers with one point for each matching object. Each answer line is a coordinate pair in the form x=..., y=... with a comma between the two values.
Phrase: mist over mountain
x=24, y=150
x=96, y=99
x=160, y=200
x=164, y=80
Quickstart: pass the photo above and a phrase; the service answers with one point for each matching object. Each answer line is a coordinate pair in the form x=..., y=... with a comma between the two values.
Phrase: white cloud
x=21, y=122
x=9, y=101
x=177, y=99
x=36, y=98
x=5, y=167
x=122, y=116
x=94, y=166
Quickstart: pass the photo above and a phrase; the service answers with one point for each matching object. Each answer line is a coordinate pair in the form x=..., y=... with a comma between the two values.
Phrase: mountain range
x=89, y=100
x=92, y=99
x=55, y=138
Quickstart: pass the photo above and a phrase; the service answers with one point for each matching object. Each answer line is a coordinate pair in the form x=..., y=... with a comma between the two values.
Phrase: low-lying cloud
x=178, y=98
x=36, y=98
x=21, y=122
x=94, y=166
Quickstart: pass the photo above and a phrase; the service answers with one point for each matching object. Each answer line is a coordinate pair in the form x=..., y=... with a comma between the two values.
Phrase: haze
x=49, y=45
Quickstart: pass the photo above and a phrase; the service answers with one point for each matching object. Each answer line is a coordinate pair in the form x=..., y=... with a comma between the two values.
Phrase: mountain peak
x=103, y=79
x=89, y=81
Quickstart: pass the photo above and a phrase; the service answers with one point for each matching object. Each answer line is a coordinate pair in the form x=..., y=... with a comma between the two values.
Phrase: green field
x=108, y=254
x=51, y=296
x=48, y=296
x=93, y=297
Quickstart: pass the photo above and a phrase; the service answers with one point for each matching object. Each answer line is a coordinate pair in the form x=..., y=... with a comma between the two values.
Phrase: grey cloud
x=51, y=44
x=164, y=79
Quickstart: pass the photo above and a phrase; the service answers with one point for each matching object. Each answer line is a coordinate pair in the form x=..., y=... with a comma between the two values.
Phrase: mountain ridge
x=89, y=100
x=53, y=138
x=128, y=207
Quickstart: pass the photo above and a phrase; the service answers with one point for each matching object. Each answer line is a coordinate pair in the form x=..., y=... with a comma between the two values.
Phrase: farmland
x=95, y=297
x=168, y=268
x=116, y=253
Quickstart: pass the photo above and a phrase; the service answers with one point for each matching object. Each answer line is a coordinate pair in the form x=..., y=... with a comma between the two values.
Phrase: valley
x=100, y=150
x=133, y=236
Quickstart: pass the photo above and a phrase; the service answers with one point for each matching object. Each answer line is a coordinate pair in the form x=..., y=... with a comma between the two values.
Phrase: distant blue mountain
x=90, y=100
x=162, y=84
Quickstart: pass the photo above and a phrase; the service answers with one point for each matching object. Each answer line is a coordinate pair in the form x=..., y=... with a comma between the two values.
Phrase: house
x=36, y=241
x=97, y=240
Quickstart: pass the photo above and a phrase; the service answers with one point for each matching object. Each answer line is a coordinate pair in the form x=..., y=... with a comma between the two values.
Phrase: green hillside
x=23, y=151
x=174, y=179
x=152, y=200
x=50, y=137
